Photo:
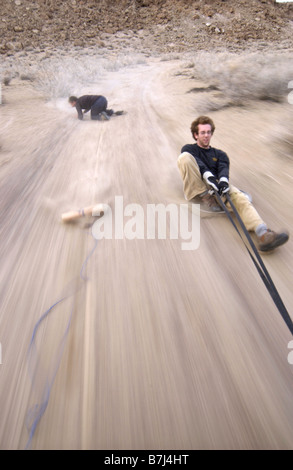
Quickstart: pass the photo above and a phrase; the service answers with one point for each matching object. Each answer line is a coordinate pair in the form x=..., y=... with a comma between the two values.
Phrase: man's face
x=204, y=135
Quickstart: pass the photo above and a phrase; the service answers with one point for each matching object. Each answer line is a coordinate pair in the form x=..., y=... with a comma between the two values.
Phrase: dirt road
x=144, y=345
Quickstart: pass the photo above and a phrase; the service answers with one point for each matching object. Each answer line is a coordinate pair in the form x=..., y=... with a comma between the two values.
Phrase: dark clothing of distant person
x=96, y=104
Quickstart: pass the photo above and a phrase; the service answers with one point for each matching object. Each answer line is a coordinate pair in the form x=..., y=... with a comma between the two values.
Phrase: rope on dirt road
x=36, y=412
x=47, y=377
x=258, y=262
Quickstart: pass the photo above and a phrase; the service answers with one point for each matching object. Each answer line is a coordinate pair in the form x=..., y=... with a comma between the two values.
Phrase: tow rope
x=258, y=262
x=43, y=375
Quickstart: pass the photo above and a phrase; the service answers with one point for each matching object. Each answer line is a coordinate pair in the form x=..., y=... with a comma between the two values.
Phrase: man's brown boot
x=270, y=240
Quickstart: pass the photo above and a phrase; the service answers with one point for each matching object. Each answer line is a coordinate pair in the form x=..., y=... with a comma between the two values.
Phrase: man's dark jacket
x=211, y=159
x=85, y=102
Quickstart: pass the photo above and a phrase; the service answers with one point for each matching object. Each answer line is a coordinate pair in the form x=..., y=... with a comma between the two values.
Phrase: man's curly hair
x=201, y=120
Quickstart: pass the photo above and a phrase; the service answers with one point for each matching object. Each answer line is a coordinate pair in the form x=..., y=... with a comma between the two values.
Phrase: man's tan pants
x=193, y=185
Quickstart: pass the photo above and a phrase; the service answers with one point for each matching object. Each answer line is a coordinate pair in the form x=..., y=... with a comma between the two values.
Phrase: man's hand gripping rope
x=221, y=186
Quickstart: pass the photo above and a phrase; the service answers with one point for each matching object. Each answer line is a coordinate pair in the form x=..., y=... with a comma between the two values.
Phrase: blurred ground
x=166, y=349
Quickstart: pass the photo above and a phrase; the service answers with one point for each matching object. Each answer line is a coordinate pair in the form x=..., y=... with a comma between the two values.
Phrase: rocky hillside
x=161, y=25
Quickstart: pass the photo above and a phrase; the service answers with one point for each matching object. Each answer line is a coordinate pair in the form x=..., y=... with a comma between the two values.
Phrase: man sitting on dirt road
x=96, y=104
x=203, y=167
